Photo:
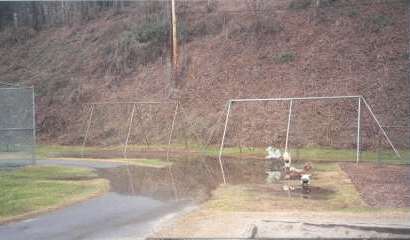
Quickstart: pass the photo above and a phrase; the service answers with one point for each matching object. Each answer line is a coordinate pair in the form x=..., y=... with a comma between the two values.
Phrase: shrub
x=299, y=4
x=11, y=36
x=148, y=32
x=190, y=29
x=211, y=6
x=41, y=89
x=140, y=44
x=260, y=26
x=285, y=57
x=379, y=22
x=151, y=33
x=353, y=13
x=266, y=26
x=327, y=3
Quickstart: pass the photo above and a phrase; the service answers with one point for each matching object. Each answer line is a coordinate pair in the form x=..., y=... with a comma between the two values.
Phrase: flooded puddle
x=315, y=193
x=141, y=197
x=195, y=179
x=185, y=180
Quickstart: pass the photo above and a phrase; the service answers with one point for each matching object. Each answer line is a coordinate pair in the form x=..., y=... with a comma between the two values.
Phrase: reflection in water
x=194, y=178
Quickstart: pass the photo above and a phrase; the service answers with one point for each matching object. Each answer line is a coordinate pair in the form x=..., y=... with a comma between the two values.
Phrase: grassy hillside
x=228, y=49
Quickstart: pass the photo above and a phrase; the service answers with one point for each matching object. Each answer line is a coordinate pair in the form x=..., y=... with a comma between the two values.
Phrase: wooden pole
x=174, y=36
x=358, y=131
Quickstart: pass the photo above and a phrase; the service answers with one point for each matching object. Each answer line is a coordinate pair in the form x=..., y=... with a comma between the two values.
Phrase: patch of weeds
x=211, y=6
x=141, y=44
x=327, y=3
x=145, y=33
x=41, y=89
x=11, y=36
x=59, y=84
x=150, y=32
x=10, y=148
x=200, y=28
x=285, y=57
x=266, y=26
x=188, y=33
x=260, y=28
x=405, y=55
x=379, y=22
x=353, y=13
x=108, y=133
x=299, y=4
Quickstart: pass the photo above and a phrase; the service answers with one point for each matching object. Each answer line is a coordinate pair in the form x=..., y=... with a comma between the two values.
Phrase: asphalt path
x=111, y=216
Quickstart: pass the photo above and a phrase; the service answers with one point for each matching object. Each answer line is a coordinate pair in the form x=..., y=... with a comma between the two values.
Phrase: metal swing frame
x=291, y=100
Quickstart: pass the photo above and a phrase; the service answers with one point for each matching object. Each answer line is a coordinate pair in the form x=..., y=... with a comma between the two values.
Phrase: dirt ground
x=381, y=186
x=383, y=214
x=288, y=224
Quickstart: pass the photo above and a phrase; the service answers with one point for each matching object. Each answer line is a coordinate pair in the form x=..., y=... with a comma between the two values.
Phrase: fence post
x=34, y=129
x=358, y=131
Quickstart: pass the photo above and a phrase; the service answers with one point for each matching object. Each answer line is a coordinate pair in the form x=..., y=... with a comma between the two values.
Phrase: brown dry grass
x=336, y=53
x=331, y=190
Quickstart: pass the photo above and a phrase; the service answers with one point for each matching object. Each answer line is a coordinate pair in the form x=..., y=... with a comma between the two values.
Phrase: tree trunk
x=35, y=14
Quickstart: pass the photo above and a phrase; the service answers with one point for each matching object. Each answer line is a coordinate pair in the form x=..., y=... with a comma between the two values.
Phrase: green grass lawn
x=304, y=154
x=30, y=190
x=143, y=162
x=44, y=151
x=320, y=154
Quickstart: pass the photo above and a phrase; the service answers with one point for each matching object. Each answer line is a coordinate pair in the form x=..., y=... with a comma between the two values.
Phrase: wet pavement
x=139, y=198
x=112, y=216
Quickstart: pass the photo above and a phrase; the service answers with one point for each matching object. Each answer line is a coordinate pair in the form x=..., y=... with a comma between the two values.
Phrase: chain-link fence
x=17, y=126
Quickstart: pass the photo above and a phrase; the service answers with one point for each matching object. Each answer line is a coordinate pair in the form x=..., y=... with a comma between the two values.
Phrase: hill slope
x=227, y=51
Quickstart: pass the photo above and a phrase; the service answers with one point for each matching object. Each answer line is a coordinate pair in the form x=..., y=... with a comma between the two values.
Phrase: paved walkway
x=111, y=216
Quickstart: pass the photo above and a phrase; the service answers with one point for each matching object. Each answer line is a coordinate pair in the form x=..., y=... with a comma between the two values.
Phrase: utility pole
x=174, y=92
x=174, y=39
